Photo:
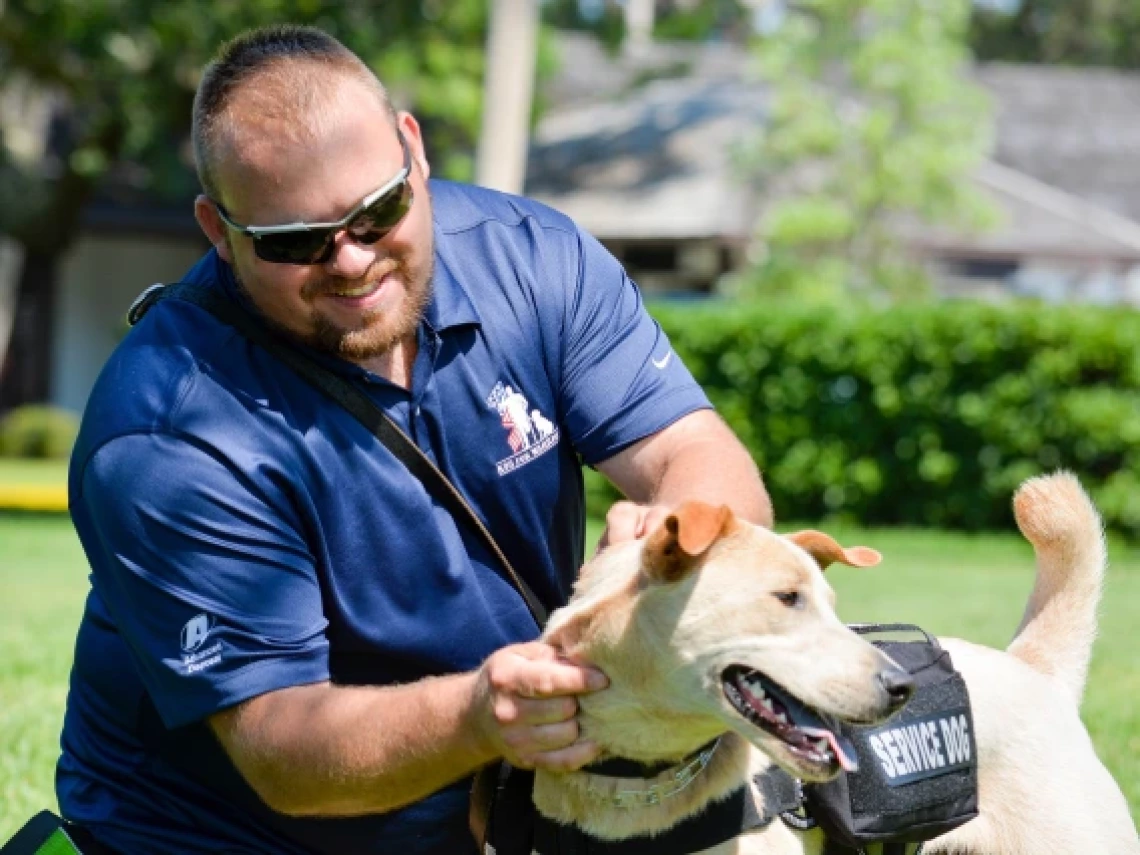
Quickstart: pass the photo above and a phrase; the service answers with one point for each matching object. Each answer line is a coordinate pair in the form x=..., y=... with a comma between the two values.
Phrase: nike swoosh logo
x=660, y=364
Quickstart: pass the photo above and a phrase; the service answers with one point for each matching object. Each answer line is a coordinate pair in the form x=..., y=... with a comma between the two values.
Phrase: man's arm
x=696, y=457
x=327, y=750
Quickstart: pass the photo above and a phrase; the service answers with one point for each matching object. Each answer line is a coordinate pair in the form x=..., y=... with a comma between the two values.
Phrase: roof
x=1037, y=220
x=657, y=164
x=1077, y=129
x=656, y=161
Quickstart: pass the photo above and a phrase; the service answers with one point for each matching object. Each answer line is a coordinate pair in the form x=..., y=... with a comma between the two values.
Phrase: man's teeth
x=366, y=288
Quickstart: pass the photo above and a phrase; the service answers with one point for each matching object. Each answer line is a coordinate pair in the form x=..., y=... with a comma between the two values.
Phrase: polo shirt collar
x=450, y=305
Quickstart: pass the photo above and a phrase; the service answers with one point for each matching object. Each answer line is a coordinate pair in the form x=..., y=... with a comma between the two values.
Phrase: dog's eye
x=791, y=599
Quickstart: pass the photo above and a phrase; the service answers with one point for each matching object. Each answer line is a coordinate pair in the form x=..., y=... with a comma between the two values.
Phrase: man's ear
x=825, y=550
x=410, y=128
x=212, y=226
x=675, y=549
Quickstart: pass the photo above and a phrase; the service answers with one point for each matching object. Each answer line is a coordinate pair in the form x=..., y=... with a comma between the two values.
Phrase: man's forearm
x=325, y=750
x=717, y=470
x=345, y=750
x=697, y=457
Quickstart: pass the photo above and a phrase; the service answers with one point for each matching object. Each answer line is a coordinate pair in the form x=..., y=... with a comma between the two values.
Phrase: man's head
x=291, y=127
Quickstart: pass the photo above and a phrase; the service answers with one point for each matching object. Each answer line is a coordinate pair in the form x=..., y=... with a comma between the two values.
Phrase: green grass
x=43, y=580
x=970, y=586
x=21, y=471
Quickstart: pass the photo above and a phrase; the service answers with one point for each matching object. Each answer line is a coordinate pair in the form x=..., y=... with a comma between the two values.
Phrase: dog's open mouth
x=775, y=711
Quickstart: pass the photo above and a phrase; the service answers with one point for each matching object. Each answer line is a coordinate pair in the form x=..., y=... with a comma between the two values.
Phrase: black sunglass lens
x=382, y=216
x=293, y=248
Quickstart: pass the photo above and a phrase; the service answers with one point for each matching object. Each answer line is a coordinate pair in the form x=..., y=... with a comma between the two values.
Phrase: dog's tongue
x=843, y=750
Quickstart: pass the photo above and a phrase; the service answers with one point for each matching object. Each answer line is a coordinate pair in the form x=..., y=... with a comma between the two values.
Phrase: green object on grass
x=58, y=844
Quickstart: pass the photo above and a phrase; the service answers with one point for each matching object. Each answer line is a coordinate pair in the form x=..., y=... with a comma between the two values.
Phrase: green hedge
x=925, y=414
x=38, y=431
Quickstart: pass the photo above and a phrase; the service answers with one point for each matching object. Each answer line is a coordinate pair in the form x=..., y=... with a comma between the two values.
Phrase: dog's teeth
x=767, y=704
x=821, y=746
x=782, y=719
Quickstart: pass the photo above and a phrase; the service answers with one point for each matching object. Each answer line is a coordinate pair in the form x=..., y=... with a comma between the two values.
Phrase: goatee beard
x=378, y=332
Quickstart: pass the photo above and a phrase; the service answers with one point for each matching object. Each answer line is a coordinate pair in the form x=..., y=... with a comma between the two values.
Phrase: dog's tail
x=1059, y=626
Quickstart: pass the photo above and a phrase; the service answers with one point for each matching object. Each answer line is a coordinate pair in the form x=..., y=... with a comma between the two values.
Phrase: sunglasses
x=314, y=243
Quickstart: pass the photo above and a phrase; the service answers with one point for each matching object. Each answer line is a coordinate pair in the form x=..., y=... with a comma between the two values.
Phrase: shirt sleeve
x=621, y=379
x=204, y=572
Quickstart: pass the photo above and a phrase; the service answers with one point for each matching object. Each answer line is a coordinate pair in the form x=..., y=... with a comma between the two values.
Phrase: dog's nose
x=898, y=686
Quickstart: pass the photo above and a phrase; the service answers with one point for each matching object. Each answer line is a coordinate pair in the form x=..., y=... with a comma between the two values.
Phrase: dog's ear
x=825, y=550
x=675, y=548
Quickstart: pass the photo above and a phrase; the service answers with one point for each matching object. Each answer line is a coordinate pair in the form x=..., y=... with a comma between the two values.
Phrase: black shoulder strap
x=352, y=399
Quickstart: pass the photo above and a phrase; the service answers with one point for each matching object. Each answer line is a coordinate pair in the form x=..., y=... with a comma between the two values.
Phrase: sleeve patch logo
x=195, y=657
x=530, y=434
x=195, y=632
x=924, y=748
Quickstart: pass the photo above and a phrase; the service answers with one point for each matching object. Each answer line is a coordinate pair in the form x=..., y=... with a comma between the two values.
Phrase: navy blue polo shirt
x=246, y=535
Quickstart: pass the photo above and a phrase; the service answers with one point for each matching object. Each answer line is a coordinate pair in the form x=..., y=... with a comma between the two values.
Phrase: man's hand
x=526, y=707
x=629, y=521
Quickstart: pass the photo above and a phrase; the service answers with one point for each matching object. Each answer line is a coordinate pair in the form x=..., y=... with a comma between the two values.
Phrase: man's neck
x=395, y=364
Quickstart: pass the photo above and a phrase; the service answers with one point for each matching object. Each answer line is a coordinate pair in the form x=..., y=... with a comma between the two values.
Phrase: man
x=288, y=647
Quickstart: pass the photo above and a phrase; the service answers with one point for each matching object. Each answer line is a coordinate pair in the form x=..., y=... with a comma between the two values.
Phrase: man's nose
x=350, y=259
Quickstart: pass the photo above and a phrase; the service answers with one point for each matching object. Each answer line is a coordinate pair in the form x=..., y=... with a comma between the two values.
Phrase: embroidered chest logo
x=530, y=434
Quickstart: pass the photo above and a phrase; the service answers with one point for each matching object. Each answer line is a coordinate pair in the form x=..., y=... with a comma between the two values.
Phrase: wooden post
x=508, y=89
x=640, y=16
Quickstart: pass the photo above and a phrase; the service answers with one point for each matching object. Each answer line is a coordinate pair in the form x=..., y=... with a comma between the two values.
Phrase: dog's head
x=711, y=624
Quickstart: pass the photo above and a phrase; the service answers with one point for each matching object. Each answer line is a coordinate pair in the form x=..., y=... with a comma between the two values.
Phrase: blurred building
x=121, y=252
x=127, y=241
x=639, y=149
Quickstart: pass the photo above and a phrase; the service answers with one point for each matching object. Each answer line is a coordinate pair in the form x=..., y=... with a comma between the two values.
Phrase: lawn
x=26, y=471
x=972, y=586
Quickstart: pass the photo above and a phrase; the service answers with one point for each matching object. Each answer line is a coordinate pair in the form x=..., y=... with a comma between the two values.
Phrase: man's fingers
x=530, y=679
x=560, y=680
x=653, y=519
x=531, y=741
x=536, y=651
x=623, y=522
x=526, y=711
x=629, y=521
x=567, y=759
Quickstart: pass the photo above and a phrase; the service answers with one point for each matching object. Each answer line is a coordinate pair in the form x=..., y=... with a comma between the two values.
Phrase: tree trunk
x=25, y=376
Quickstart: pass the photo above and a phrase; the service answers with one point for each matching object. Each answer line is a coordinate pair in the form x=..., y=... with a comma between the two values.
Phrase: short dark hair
x=260, y=53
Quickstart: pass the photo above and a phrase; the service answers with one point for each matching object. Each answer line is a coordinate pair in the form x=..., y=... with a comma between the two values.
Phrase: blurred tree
x=119, y=76
x=601, y=18
x=1069, y=32
x=699, y=20
x=872, y=127
x=673, y=20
